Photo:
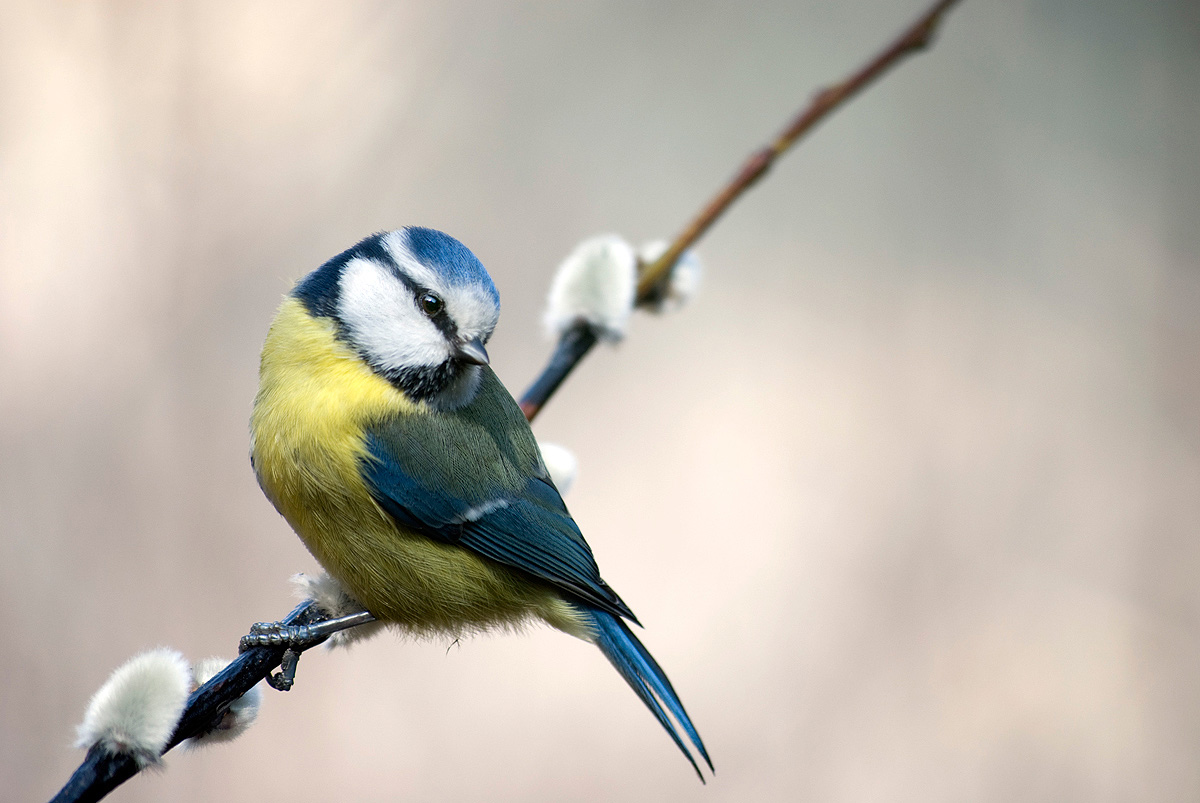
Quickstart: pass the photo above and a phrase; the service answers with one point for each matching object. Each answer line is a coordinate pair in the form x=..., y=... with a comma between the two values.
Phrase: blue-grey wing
x=515, y=519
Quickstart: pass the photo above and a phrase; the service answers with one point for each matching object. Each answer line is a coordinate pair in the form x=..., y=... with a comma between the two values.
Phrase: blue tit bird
x=384, y=438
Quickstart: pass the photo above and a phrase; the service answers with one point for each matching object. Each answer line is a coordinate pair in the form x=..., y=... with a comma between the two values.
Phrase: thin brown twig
x=916, y=38
x=652, y=276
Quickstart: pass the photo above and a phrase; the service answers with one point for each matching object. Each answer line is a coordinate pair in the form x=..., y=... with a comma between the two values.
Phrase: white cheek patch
x=383, y=320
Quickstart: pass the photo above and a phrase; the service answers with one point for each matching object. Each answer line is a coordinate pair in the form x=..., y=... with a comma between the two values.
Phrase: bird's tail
x=646, y=678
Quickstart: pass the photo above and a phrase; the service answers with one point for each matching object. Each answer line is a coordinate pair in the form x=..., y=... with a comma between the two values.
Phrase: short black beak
x=472, y=351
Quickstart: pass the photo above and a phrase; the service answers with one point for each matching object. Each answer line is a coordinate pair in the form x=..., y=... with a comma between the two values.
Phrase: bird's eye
x=431, y=304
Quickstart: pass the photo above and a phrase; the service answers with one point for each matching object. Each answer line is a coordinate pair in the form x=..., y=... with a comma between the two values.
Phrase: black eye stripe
x=439, y=318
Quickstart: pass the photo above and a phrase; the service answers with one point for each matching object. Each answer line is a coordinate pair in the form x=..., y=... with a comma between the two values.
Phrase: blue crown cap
x=449, y=257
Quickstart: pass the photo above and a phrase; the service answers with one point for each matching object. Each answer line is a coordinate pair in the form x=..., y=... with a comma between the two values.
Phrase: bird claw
x=296, y=639
x=276, y=634
x=286, y=676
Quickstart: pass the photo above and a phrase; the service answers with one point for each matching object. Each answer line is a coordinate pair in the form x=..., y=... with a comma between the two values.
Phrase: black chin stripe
x=422, y=383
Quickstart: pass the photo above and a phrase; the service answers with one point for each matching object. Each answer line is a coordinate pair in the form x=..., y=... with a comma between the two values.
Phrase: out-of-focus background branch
x=575, y=342
x=925, y=450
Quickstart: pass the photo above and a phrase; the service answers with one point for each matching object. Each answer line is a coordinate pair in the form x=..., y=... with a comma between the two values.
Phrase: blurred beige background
x=908, y=500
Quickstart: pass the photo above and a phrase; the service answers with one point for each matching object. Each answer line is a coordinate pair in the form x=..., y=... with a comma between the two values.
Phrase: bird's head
x=417, y=307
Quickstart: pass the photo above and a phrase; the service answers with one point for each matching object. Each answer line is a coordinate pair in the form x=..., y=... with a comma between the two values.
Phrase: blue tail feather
x=646, y=678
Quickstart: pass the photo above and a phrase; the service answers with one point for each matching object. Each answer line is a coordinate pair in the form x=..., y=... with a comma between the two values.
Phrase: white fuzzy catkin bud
x=561, y=464
x=685, y=278
x=136, y=710
x=333, y=598
x=596, y=283
x=238, y=717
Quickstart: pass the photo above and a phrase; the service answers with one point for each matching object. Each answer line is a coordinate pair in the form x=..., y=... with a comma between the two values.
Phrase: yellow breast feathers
x=314, y=396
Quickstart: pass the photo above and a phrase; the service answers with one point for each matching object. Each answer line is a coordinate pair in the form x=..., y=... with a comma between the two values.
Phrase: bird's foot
x=296, y=639
x=276, y=634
